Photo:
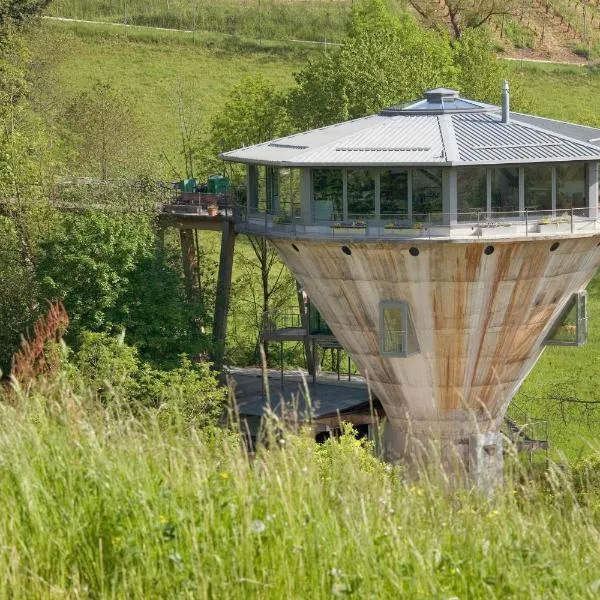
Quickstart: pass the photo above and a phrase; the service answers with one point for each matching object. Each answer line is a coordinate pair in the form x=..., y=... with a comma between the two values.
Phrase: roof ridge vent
x=441, y=95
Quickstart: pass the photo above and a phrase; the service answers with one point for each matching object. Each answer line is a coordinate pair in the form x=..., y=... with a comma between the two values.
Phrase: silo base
x=474, y=460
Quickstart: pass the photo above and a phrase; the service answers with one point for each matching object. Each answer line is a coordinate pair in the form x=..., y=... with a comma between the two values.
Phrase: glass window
x=289, y=193
x=570, y=186
x=538, y=187
x=394, y=194
x=397, y=333
x=361, y=194
x=505, y=190
x=571, y=327
x=327, y=194
x=472, y=192
x=272, y=185
x=426, y=192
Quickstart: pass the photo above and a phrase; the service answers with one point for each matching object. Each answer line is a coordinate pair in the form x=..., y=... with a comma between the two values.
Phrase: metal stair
x=528, y=435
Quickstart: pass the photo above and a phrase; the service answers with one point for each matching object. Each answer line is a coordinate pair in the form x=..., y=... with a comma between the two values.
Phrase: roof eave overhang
x=441, y=163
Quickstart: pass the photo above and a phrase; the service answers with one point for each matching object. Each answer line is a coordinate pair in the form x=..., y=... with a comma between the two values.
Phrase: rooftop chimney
x=505, y=102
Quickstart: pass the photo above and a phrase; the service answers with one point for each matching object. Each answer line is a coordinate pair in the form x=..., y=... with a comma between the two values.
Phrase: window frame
x=406, y=331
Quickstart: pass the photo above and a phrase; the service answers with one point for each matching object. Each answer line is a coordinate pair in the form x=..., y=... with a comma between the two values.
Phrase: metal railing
x=478, y=223
x=201, y=204
x=394, y=341
x=273, y=321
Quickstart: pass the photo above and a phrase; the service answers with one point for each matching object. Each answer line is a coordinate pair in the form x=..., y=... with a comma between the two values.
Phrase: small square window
x=570, y=329
x=397, y=333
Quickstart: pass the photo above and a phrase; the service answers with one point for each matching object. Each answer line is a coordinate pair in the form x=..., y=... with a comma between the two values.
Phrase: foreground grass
x=99, y=504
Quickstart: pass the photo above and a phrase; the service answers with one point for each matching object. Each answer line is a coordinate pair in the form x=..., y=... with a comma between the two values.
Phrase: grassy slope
x=98, y=505
x=157, y=69
x=153, y=67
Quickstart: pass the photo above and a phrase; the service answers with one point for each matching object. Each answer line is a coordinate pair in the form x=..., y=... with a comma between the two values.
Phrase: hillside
x=567, y=30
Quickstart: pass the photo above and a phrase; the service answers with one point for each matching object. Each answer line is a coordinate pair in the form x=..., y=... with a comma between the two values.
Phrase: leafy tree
x=86, y=264
x=102, y=126
x=480, y=72
x=462, y=15
x=113, y=371
x=385, y=59
x=110, y=276
x=19, y=11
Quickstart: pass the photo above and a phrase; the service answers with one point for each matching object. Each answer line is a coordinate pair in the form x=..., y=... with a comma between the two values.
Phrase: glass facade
x=426, y=192
x=328, y=194
x=472, y=193
x=505, y=189
x=570, y=186
x=538, y=187
x=394, y=194
x=361, y=194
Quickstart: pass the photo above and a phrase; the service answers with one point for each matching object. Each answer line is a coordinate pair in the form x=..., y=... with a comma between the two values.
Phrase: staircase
x=530, y=436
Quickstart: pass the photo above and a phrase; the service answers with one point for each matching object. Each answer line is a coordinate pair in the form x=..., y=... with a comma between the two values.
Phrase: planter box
x=348, y=231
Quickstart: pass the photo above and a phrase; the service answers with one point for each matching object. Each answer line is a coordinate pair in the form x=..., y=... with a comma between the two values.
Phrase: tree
x=460, y=15
x=102, y=128
x=19, y=11
x=480, y=72
x=385, y=59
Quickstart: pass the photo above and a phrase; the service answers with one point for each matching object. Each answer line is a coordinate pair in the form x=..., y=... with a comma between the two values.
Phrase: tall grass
x=97, y=503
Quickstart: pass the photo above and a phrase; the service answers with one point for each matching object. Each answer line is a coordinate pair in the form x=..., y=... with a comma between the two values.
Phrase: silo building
x=445, y=242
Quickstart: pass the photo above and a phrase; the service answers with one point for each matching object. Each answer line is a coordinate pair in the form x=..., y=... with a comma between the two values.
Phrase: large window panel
x=394, y=194
x=289, y=193
x=538, y=187
x=397, y=331
x=328, y=194
x=505, y=190
x=570, y=186
x=472, y=192
x=426, y=193
x=361, y=193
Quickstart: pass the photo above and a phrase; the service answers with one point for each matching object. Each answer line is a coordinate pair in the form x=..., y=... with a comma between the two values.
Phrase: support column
x=305, y=322
x=306, y=196
x=409, y=193
x=521, y=191
x=488, y=192
x=378, y=195
x=554, y=190
x=450, y=196
x=252, y=188
x=456, y=450
x=345, y=194
x=223, y=293
x=592, y=189
x=190, y=263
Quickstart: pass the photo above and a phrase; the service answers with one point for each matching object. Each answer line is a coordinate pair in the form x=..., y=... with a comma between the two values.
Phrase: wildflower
x=162, y=519
x=338, y=588
x=224, y=475
x=336, y=572
x=493, y=514
x=257, y=526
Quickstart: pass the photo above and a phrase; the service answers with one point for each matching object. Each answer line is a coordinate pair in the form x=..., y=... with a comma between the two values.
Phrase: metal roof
x=442, y=129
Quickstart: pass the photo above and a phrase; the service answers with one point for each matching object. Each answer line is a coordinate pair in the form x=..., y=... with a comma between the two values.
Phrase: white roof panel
x=452, y=137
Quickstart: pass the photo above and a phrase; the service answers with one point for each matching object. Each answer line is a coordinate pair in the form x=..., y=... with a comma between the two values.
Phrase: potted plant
x=356, y=227
x=213, y=210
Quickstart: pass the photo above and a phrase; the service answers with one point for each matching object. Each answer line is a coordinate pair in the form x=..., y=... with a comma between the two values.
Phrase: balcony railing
x=482, y=224
x=201, y=204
